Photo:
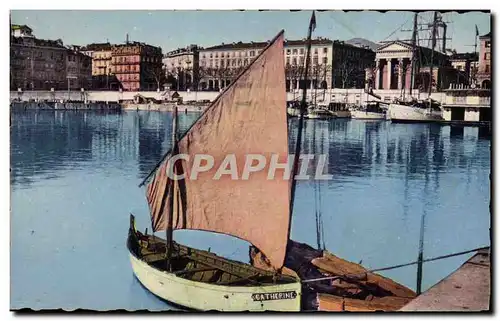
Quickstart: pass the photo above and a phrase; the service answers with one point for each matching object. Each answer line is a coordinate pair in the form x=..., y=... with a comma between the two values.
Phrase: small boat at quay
x=371, y=111
x=319, y=113
x=244, y=118
x=417, y=112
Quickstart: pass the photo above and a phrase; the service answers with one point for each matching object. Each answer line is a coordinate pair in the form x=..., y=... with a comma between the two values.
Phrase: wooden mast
x=414, y=49
x=173, y=195
x=432, y=58
x=312, y=26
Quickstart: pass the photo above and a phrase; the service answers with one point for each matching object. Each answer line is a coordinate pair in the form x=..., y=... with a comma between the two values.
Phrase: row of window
x=251, y=53
x=131, y=68
x=313, y=60
x=128, y=77
x=38, y=54
x=134, y=59
x=302, y=51
x=226, y=63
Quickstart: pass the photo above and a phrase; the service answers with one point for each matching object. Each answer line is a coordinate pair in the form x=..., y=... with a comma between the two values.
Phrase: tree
x=158, y=74
x=348, y=72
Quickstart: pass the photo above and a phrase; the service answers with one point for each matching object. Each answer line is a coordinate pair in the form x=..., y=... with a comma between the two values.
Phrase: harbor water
x=75, y=176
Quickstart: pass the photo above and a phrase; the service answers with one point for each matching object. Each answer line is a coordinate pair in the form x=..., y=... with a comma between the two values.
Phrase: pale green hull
x=205, y=296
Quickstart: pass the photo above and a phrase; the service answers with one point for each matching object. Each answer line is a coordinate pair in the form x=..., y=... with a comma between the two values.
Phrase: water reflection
x=385, y=177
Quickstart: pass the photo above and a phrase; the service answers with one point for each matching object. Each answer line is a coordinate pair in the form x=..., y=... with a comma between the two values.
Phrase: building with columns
x=484, y=72
x=393, y=68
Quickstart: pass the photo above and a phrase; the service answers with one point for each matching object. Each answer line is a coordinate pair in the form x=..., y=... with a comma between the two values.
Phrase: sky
x=175, y=29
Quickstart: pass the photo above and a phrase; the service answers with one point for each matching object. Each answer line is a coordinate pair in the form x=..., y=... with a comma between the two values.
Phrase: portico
x=393, y=66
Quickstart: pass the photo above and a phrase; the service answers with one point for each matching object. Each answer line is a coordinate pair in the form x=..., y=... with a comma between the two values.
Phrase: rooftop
x=20, y=27
x=465, y=56
x=258, y=45
x=97, y=46
x=38, y=42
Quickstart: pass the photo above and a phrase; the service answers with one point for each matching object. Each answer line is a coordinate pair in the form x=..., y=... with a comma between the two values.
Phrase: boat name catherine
x=274, y=296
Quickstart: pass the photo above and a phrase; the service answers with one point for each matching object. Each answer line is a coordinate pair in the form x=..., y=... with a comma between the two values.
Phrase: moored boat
x=319, y=113
x=196, y=279
x=371, y=111
x=414, y=113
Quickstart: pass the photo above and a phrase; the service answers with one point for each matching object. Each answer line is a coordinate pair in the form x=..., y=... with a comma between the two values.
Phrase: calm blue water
x=74, y=179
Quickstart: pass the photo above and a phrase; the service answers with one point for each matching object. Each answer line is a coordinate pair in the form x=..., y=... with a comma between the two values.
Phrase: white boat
x=319, y=113
x=255, y=209
x=362, y=114
x=371, y=111
x=412, y=113
x=293, y=111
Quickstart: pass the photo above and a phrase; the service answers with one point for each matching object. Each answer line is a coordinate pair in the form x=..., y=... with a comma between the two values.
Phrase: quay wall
x=351, y=96
x=23, y=105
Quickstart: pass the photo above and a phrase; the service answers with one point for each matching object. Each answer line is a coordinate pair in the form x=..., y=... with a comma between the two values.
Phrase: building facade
x=484, y=72
x=393, y=68
x=332, y=63
x=349, y=64
x=137, y=66
x=466, y=64
x=102, y=78
x=182, y=68
x=78, y=69
x=38, y=64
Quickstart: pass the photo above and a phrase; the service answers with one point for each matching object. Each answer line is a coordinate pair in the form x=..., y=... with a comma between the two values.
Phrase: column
x=389, y=73
x=400, y=73
x=377, y=74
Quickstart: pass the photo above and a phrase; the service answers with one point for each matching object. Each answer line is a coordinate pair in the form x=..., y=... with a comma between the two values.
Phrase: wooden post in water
x=172, y=191
x=420, y=256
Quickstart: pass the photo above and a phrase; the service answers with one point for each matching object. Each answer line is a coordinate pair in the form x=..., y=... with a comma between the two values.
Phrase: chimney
x=126, y=41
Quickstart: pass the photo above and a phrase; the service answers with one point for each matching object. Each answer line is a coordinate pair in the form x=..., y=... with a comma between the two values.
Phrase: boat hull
x=293, y=112
x=359, y=114
x=342, y=114
x=206, y=297
x=401, y=113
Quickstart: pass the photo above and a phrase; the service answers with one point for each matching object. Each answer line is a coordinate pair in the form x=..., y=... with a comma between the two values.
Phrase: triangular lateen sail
x=249, y=117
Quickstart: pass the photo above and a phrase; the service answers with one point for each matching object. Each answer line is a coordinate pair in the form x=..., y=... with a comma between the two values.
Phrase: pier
x=466, y=289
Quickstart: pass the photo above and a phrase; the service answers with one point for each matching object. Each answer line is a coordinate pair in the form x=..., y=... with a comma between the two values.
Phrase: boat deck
x=466, y=289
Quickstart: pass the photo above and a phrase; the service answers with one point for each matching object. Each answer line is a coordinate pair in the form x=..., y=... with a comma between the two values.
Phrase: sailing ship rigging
x=414, y=110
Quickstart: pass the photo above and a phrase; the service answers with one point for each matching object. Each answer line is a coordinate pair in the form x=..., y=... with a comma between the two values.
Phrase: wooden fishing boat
x=201, y=280
x=248, y=117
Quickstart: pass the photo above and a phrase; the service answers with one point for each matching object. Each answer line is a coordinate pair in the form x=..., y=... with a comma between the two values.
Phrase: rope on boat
x=394, y=266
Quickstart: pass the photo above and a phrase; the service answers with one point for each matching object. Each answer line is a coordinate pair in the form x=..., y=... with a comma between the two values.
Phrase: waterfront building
x=467, y=105
x=333, y=63
x=137, y=66
x=182, y=67
x=466, y=64
x=102, y=78
x=484, y=72
x=393, y=68
x=39, y=64
x=78, y=69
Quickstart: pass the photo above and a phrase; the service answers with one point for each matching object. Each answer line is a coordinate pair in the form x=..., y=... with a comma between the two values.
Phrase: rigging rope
x=394, y=266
